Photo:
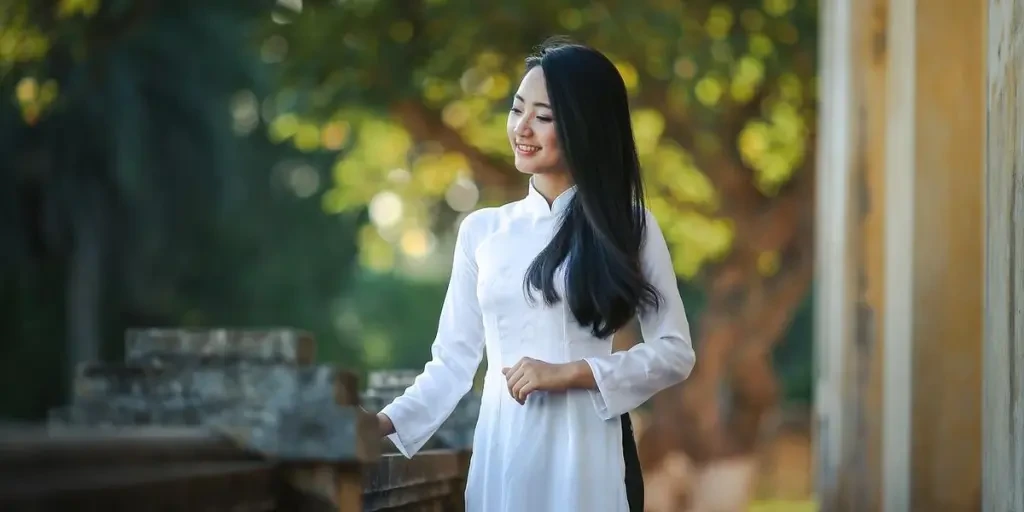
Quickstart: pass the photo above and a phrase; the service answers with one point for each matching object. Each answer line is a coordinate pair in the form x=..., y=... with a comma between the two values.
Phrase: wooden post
x=1003, y=407
x=850, y=268
x=947, y=244
x=900, y=255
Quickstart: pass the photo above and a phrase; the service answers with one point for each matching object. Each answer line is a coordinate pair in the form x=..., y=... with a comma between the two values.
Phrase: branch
x=746, y=315
x=735, y=118
x=495, y=176
x=724, y=168
x=426, y=125
x=656, y=92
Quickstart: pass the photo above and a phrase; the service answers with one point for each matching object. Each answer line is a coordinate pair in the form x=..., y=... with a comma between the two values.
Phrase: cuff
x=607, y=402
x=407, y=448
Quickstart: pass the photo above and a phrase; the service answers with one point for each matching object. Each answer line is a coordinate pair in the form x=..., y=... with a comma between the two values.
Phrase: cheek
x=549, y=139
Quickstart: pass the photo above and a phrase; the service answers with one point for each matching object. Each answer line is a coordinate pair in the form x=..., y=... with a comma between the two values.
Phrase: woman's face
x=531, y=127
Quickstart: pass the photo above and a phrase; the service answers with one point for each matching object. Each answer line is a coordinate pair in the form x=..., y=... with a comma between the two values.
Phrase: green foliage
x=417, y=95
x=139, y=128
x=149, y=151
x=713, y=85
x=394, y=318
x=32, y=330
x=275, y=260
x=792, y=357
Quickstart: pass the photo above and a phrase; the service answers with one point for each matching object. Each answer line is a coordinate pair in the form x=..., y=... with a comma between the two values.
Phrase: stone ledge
x=323, y=434
x=216, y=381
x=159, y=346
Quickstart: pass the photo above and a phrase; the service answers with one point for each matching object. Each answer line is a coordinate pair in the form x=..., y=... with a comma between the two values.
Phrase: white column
x=833, y=310
x=898, y=327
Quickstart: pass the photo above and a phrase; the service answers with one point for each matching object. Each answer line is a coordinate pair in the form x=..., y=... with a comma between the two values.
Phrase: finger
x=516, y=379
x=513, y=375
x=511, y=380
x=511, y=393
x=518, y=365
x=518, y=394
x=515, y=390
x=525, y=390
x=505, y=370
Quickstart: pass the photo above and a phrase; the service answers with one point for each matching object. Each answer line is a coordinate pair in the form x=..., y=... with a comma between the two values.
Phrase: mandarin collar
x=536, y=202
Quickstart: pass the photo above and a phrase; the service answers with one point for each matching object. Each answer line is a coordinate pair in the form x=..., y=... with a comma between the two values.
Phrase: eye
x=544, y=119
x=517, y=110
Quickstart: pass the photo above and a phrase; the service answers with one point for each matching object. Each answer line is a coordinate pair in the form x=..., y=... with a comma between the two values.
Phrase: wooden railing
x=186, y=469
x=219, y=421
x=432, y=480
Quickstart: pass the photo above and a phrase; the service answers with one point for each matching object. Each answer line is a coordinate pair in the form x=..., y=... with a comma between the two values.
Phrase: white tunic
x=559, y=452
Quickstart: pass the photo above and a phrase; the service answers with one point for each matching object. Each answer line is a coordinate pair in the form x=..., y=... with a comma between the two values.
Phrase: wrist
x=578, y=375
x=385, y=425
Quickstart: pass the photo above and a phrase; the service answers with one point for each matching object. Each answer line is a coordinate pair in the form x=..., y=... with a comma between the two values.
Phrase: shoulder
x=477, y=225
x=484, y=221
x=651, y=225
x=649, y=216
x=478, y=221
x=653, y=236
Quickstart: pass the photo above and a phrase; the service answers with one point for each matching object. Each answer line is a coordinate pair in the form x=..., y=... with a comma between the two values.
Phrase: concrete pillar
x=900, y=255
x=1003, y=405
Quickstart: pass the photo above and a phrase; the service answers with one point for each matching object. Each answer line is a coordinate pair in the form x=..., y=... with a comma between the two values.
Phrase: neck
x=551, y=185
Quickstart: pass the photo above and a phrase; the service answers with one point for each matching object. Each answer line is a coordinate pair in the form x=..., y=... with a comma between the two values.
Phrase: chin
x=525, y=167
x=532, y=168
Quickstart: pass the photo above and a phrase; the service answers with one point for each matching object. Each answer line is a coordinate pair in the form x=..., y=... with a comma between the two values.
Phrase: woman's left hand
x=529, y=375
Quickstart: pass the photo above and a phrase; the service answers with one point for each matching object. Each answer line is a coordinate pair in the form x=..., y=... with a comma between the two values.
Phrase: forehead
x=533, y=87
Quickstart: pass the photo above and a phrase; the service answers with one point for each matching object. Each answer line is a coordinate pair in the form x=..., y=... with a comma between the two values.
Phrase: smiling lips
x=527, y=149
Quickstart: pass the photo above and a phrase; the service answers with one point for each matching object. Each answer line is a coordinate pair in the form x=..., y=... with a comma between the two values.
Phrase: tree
x=136, y=187
x=723, y=102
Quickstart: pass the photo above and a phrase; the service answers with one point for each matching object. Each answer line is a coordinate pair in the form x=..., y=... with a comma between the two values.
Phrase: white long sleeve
x=455, y=354
x=627, y=379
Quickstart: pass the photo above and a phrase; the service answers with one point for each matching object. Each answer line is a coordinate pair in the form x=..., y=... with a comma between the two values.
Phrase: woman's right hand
x=384, y=425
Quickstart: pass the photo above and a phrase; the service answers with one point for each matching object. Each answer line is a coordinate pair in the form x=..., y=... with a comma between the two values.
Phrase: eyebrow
x=536, y=103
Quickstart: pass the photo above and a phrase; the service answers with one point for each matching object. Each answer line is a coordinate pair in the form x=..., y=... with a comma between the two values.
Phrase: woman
x=541, y=285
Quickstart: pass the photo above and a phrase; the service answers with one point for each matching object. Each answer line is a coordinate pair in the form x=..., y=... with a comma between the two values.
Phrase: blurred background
x=305, y=163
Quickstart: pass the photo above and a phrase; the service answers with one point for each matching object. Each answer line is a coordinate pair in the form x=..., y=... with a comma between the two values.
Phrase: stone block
x=304, y=432
x=392, y=379
x=135, y=412
x=259, y=388
x=270, y=385
x=161, y=347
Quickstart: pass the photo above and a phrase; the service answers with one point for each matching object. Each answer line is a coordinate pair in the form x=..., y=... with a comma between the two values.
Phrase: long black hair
x=602, y=228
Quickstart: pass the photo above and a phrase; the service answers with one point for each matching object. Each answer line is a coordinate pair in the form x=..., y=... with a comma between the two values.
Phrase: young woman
x=540, y=285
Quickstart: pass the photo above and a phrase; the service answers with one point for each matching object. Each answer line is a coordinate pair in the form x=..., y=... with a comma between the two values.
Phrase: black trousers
x=634, y=478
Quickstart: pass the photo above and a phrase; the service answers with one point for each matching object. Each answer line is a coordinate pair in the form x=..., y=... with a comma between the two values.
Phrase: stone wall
x=261, y=388
x=252, y=397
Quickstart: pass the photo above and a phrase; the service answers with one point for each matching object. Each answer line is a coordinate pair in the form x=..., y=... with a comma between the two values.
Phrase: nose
x=522, y=127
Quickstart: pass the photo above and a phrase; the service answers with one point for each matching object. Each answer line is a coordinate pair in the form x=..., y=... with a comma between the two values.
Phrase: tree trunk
x=85, y=282
x=712, y=424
